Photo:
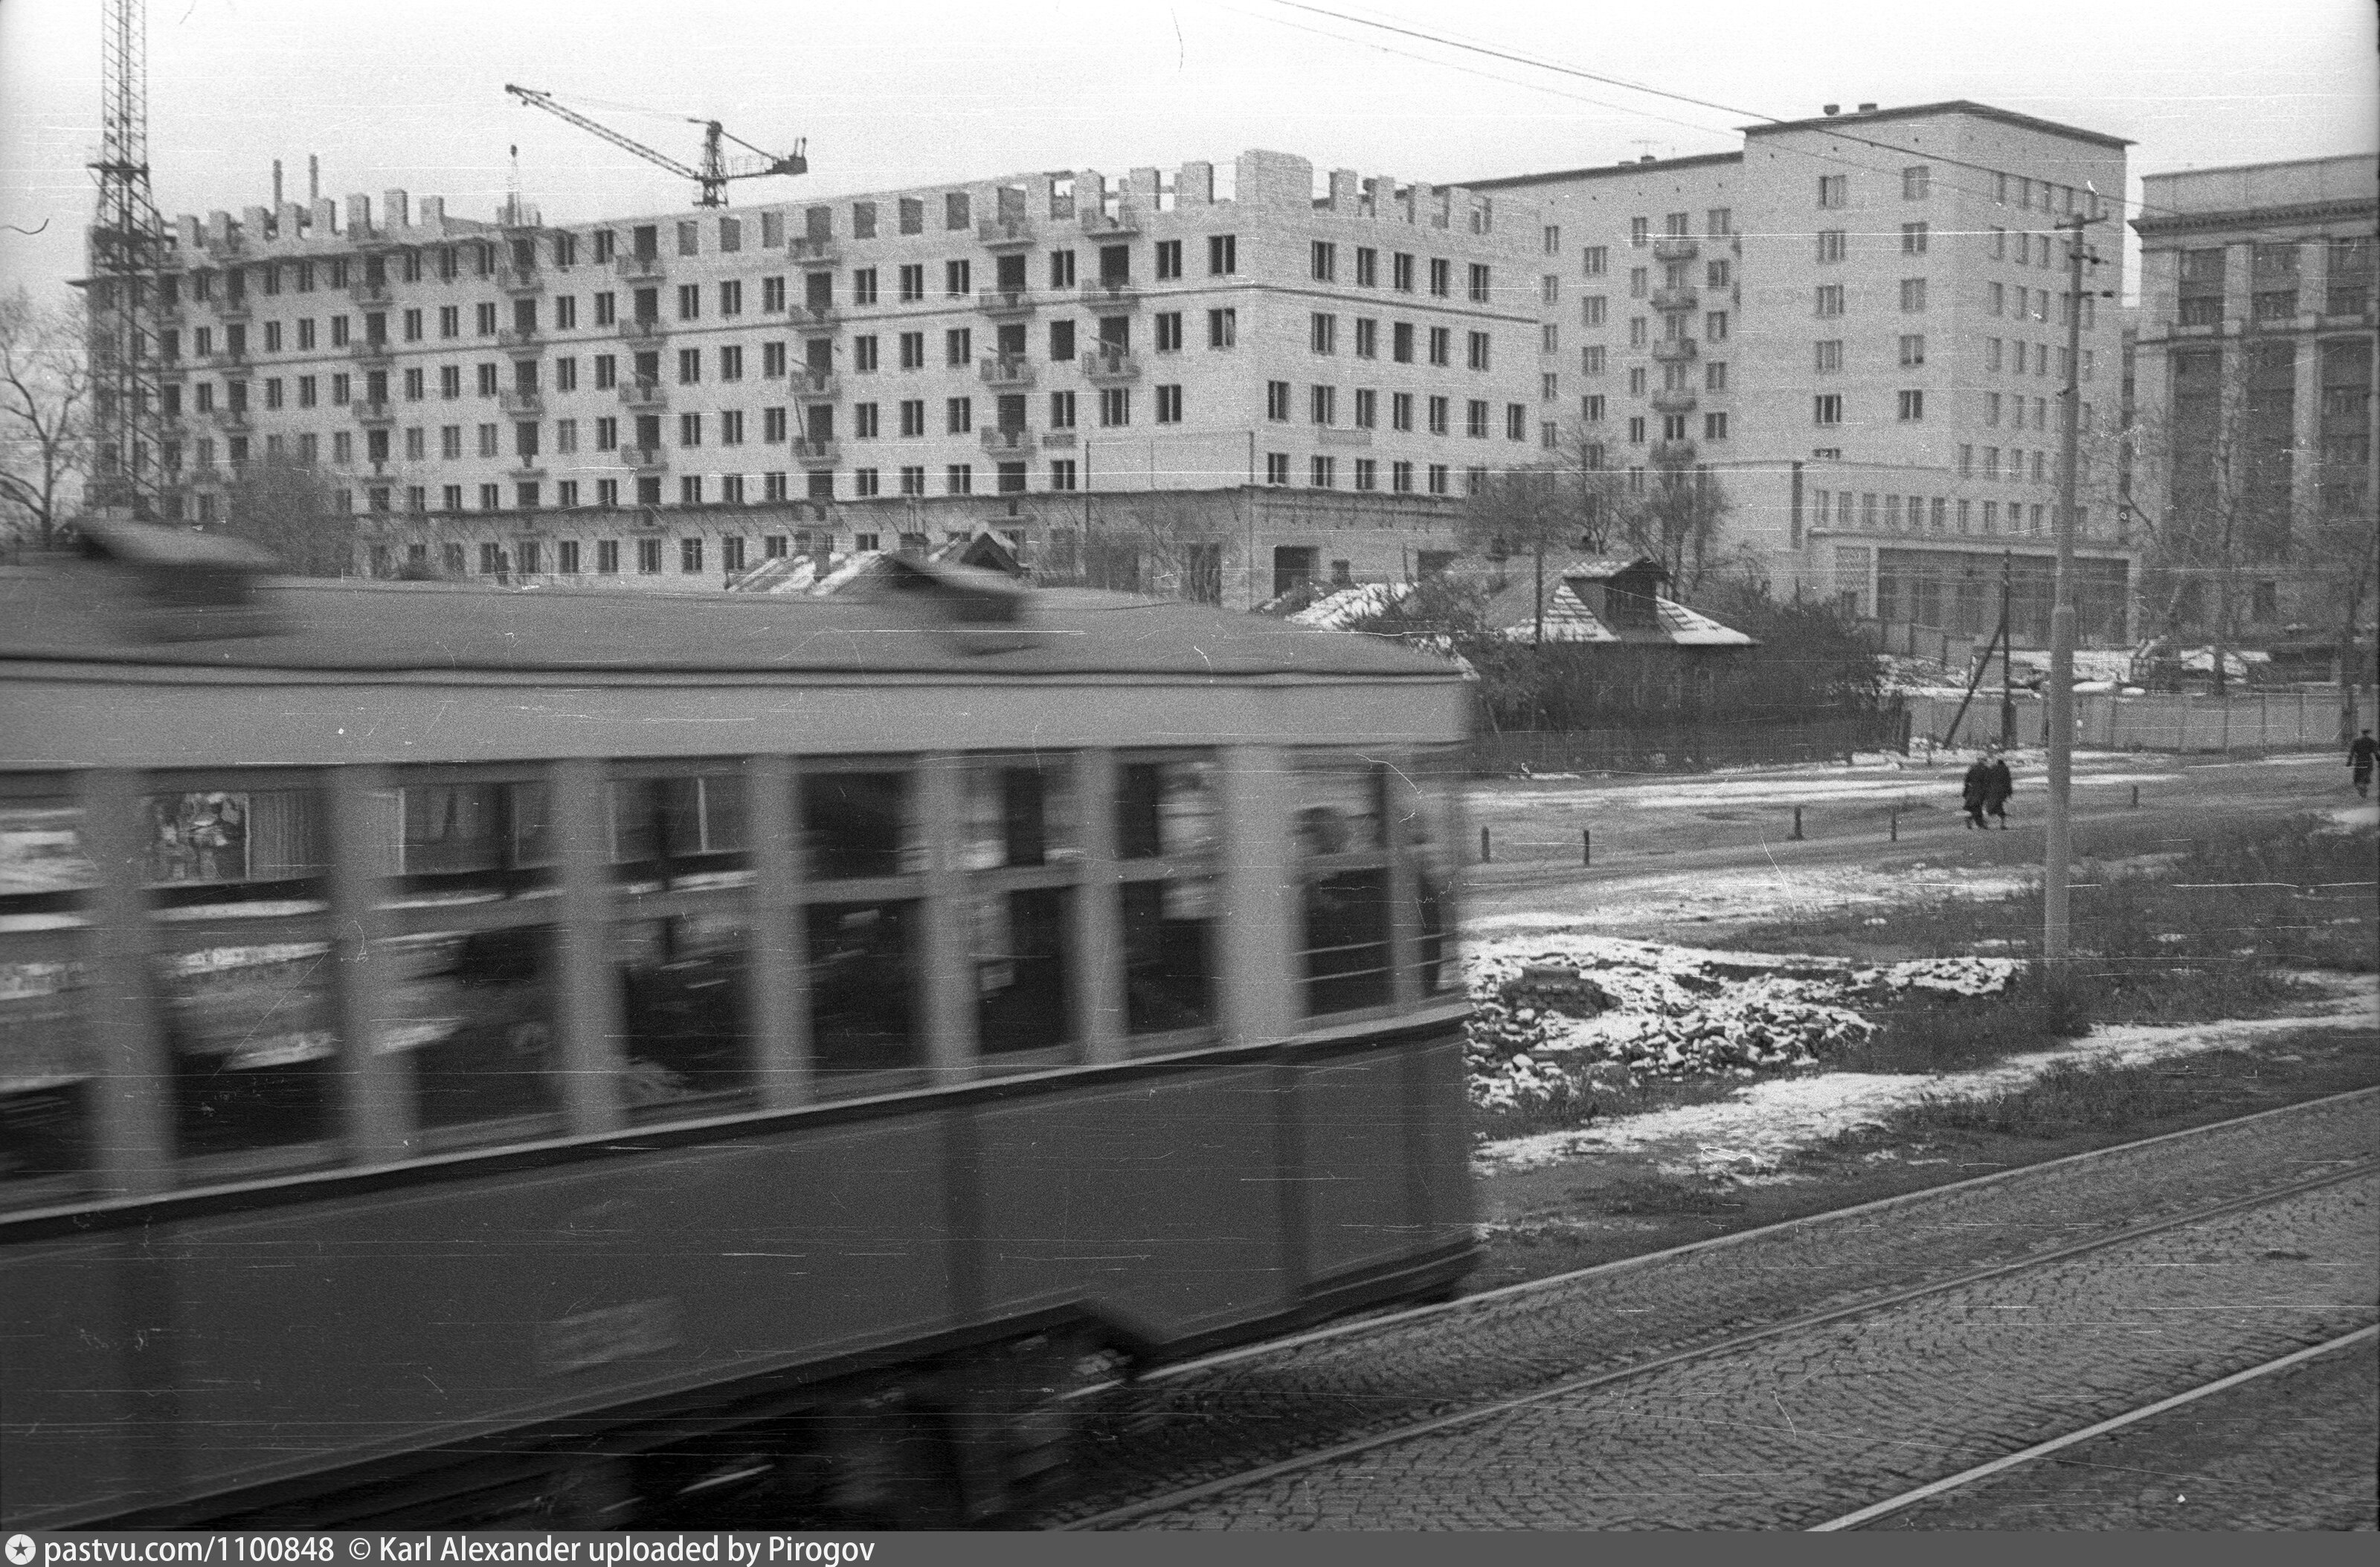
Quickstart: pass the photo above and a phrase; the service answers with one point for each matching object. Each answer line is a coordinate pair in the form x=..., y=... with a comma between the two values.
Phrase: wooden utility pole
x=2057, y=847
x=2008, y=650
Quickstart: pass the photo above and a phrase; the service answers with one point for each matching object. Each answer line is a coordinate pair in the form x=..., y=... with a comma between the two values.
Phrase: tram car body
x=461, y=1049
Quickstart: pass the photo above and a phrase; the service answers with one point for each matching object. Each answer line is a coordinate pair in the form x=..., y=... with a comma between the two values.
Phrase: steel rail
x=1592, y=1380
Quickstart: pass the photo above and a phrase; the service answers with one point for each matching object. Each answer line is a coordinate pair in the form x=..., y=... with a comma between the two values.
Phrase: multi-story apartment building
x=2254, y=407
x=1858, y=322
x=663, y=400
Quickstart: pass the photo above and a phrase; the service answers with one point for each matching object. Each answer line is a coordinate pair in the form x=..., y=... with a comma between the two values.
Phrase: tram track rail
x=2331, y=1173
x=1950, y=1483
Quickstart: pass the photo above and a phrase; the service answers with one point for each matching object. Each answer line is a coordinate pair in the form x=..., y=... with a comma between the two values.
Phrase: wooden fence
x=2271, y=720
x=1689, y=746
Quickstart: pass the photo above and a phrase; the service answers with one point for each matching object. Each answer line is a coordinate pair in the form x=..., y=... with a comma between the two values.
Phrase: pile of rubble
x=1551, y=1016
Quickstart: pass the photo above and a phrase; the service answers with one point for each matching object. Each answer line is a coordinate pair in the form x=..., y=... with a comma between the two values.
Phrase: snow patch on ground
x=1780, y=893
x=1763, y=1124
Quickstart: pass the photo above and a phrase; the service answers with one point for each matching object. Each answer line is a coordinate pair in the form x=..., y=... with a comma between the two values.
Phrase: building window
x=1323, y=404
x=1223, y=255
x=1912, y=351
x=1325, y=261
x=1169, y=332
x=1831, y=300
x=1913, y=407
x=958, y=479
x=1277, y=394
x=1834, y=190
x=1322, y=473
x=1714, y=427
x=1276, y=467
x=1480, y=292
x=1222, y=327
x=1827, y=409
x=1474, y=418
x=1912, y=240
x=1115, y=407
x=1478, y=350
x=1323, y=333
x=1168, y=405
x=1169, y=259
x=1832, y=244
x=1913, y=294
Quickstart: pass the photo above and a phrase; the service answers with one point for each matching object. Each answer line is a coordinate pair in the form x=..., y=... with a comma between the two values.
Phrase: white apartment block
x=1859, y=322
x=2254, y=352
x=665, y=401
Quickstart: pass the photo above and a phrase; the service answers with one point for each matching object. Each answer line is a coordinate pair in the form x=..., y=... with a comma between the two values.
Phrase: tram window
x=47, y=1071
x=1425, y=811
x=254, y=1049
x=1023, y=961
x=860, y=824
x=1166, y=839
x=863, y=986
x=685, y=999
x=1018, y=814
x=467, y=830
x=473, y=1018
x=1344, y=875
x=683, y=826
x=232, y=835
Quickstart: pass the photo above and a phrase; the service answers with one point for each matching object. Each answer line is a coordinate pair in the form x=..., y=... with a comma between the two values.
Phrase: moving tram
x=482, y=1056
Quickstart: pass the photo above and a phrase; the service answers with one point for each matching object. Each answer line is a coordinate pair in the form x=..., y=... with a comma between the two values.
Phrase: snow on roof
x=1569, y=620
x=1349, y=606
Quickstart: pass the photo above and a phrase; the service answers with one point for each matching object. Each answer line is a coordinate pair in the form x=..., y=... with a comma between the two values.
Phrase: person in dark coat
x=1975, y=790
x=1999, y=786
x=2360, y=757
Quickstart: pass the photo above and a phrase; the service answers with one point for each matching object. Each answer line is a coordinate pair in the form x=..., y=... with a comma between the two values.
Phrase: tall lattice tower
x=128, y=250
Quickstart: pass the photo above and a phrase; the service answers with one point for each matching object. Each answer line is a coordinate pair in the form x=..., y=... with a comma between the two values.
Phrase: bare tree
x=1678, y=521
x=1566, y=505
x=46, y=404
x=291, y=509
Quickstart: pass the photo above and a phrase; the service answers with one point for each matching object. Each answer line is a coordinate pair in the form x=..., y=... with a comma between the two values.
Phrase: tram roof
x=396, y=627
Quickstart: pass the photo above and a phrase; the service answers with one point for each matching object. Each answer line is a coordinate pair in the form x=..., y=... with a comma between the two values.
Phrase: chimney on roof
x=276, y=185
x=1644, y=158
x=1833, y=109
x=313, y=177
x=1867, y=108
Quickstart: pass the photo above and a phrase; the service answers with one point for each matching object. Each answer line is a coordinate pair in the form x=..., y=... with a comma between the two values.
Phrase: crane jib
x=714, y=173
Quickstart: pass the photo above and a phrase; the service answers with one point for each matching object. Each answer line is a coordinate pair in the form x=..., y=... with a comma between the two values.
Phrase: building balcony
x=1004, y=302
x=231, y=419
x=1057, y=438
x=1007, y=440
x=643, y=329
x=1118, y=296
x=999, y=371
x=638, y=266
x=813, y=384
x=517, y=282
x=812, y=247
x=814, y=453
x=812, y=316
x=372, y=353
x=1673, y=454
x=368, y=292
x=1675, y=299
x=521, y=402
x=643, y=458
x=525, y=467
x=365, y=412
x=1678, y=402
x=1106, y=364
x=1676, y=247
x=514, y=337
x=1125, y=219
x=1332, y=435
x=234, y=309
x=1674, y=350
x=1004, y=233
x=643, y=393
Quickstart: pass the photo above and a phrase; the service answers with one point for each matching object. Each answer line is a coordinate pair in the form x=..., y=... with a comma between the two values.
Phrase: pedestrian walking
x=2360, y=757
x=1997, y=789
x=1974, y=791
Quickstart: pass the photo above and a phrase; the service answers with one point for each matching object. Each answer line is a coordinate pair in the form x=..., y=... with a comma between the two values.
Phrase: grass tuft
x=2066, y=1098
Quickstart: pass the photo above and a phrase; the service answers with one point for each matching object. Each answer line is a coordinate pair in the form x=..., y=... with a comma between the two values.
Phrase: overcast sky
x=410, y=94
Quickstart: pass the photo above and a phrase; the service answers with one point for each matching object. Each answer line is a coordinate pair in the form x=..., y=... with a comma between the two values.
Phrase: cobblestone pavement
x=1149, y=1439
x=1793, y=1430
x=2291, y=1450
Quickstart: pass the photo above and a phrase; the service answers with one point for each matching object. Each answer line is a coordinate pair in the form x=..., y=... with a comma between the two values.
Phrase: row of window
x=1323, y=337
x=1919, y=514
x=1323, y=267
x=1322, y=408
x=935, y=909
x=1322, y=472
x=1592, y=410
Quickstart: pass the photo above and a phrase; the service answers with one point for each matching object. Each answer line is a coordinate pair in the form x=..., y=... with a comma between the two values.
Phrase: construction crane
x=128, y=250
x=713, y=175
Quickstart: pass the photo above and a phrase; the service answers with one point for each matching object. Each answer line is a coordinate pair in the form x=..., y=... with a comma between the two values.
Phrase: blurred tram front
x=469, y=1055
